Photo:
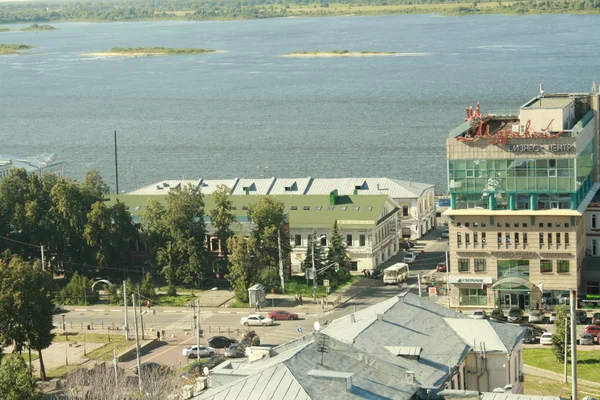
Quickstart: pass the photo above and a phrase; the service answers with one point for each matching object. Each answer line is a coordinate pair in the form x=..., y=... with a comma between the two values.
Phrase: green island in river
x=150, y=51
x=347, y=53
x=30, y=28
x=13, y=48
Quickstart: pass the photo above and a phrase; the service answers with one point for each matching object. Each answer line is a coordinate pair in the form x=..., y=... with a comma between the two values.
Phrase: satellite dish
x=317, y=326
x=205, y=371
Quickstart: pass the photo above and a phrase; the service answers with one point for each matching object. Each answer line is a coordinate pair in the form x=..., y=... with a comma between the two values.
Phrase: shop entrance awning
x=513, y=283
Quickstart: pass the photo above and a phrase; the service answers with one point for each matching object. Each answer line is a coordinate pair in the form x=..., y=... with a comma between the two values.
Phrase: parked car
x=593, y=329
x=446, y=233
x=530, y=337
x=596, y=318
x=193, y=352
x=580, y=316
x=408, y=245
x=256, y=320
x=515, y=315
x=536, y=316
x=479, y=314
x=546, y=339
x=498, y=315
x=376, y=274
x=282, y=314
x=441, y=267
x=553, y=317
x=586, y=339
x=220, y=342
x=536, y=330
x=57, y=310
x=234, y=351
x=409, y=258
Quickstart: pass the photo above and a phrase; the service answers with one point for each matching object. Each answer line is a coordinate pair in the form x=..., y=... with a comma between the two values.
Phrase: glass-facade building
x=518, y=188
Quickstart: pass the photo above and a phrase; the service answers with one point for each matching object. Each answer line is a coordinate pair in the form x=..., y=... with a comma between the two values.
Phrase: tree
x=242, y=266
x=26, y=306
x=338, y=254
x=314, y=242
x=268, y=217
x=221, y=216
x=78, y=291
x=558, y=337
x=147, y=288
x=16, y=382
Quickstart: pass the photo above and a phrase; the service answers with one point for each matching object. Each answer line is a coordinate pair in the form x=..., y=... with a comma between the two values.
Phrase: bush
x=171, y=290
x=147, y=290
x=78, y=292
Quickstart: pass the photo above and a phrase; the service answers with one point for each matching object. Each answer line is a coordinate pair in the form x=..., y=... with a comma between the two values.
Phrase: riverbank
x=149, y=52
x=6, y=49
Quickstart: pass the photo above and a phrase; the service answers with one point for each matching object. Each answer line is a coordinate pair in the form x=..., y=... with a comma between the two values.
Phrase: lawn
x=298, y=285
x=116, y=336
x=34, y=356
x=587, y=362
x=536, y=385
x=173, y=301
x=105, y=353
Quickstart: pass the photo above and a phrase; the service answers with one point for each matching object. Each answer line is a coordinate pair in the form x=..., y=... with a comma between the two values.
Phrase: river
x=230, y=114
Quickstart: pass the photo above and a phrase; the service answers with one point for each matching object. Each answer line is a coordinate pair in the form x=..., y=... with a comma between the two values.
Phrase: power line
x=18, y=241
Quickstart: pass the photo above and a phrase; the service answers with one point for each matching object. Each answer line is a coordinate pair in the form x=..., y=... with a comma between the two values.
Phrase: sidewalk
x=544, y=373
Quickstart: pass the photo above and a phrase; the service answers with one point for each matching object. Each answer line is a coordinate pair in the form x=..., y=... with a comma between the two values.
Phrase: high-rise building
x=519, y=186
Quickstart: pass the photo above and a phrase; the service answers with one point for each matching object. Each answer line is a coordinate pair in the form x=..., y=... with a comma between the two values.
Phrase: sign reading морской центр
x=553, y=148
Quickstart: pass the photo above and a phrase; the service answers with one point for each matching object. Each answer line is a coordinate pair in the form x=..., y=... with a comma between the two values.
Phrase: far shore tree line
x=83, y=237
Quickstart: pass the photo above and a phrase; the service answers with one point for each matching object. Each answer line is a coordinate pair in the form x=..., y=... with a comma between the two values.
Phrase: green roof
x=303, y=211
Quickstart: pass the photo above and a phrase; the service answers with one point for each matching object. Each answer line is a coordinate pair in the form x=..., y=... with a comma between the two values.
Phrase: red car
x=282, y=314
x=593, y=329
x=441, y=267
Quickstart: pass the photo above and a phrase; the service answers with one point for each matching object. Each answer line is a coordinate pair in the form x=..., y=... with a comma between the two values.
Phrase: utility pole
x=573, y=304
x=566, y=347
x=116, y=165
x=280, y=261
x=419, y=279
x=142, y=321
x=126, y=328
x=115, y=365
x=198, y=327
x=42, y=251
x=447, y=279
x=137, y=344
x=314, y=270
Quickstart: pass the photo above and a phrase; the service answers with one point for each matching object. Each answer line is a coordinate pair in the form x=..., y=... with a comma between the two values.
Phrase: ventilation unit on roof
x=158, y=187
x=410, y=377
x=165, y=184
x=287, y=188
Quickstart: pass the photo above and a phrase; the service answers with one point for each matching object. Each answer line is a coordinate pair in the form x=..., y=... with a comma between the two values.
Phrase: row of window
x=517, y=224
x=316, y=208
x=480, y=265
x=517, y=237
x=362, y=240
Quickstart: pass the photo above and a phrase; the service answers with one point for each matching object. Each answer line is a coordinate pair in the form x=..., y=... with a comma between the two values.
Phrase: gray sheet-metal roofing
x=451, y=394
x=299, y=374
x=419, y=322
x=396, y=189
x=33, y=163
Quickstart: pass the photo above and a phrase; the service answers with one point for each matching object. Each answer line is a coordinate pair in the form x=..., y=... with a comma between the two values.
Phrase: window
x=507, y=225
x=475, y=224
x=472, y=297
x=297, y=240
x=348, y=240
x=541, y=224
x=463, y=264
x=354, y=265
x=306, y=208
x=562, y=266
x=459, y=224
x=479, y=264
x=593, y=221
x=475, y=239
x=323, y=240
x=558, y=224
x=355, y=208
x=318, y=208
x=405, y=211
x=499, y=225
x=524, y=237
x=516, y=224
x=483, y=224
x=343, y=208
x=292, y=207
x=369, y=208
x=513, y=268
x=549, y=224
x=458, y=237
x=594, y=243
x=214, y=244
x=362, y=240
x=549, y=238
x=545, y=265
x=516, y=237
x=566, y=225
x=499, y=237
x=524, y=225
x=541, y=238
x=558, y=238
x=467, y=238
x=330, y=208
x=508, y=238
x=466, y=224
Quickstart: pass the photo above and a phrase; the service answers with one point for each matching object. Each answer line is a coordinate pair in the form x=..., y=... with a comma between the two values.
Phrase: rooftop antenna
x=541, y=89
x=263, y=174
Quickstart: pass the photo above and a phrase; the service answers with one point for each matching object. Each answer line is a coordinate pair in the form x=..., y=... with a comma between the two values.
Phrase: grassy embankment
x=340, y=53
x=587, y=363
x=168, y=51
x=13, y=48
x=30, y=28
x=538, y=386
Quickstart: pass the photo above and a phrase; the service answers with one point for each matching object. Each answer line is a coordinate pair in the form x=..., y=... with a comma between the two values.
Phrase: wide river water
x=230, y=114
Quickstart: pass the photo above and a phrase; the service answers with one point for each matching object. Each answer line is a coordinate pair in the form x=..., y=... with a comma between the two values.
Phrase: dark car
x=515, y=315
x=497, y=315
x=220, y=342
x=530, y=337
x=596, y=318
x=282, y=314
x=580, y=317
x=536, y=330
x=376, y=274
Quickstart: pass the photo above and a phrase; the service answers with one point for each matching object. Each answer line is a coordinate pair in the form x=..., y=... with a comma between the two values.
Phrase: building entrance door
x=514, y=299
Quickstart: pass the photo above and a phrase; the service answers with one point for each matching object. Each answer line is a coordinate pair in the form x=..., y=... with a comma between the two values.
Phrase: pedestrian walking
x=297, y=299
x=537, y=305
x=158, y=335
x=257, y=307
x=300, y=299
x=323, y=304
x=163, y=333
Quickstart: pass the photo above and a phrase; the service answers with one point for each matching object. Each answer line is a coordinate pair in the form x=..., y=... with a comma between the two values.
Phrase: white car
x=546, y=338
x=479, y=314
x=536, y=316
x=257, y=320
x=409, y=258
x=553, y=317
x=446, y=233
x=192, y=352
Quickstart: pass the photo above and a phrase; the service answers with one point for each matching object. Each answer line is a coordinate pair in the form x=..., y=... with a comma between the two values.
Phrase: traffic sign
x=326, y=282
